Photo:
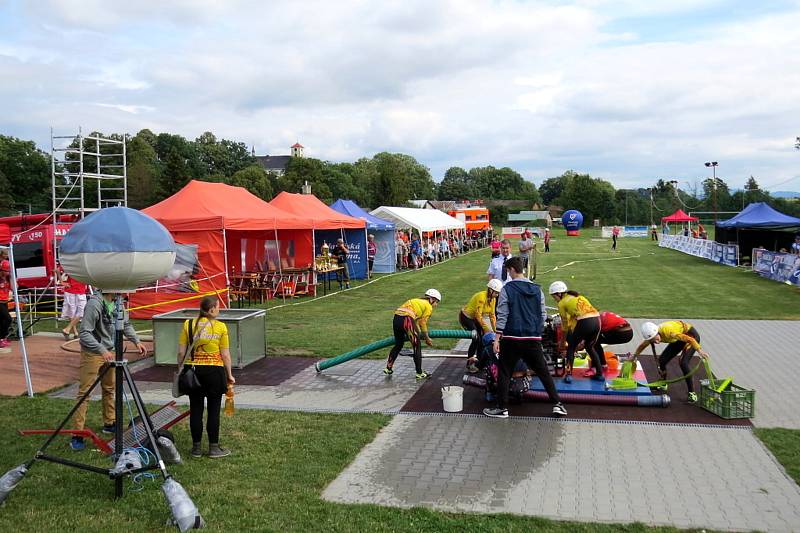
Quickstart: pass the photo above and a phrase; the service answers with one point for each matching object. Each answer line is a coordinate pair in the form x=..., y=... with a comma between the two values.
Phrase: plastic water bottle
x=229, y=401
x=184, y=512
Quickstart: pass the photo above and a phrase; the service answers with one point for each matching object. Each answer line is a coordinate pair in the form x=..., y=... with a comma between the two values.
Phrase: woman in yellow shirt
x=211, y=359
x=581, y=322
x=479, y=316
x=682, y=338
x=411, y=319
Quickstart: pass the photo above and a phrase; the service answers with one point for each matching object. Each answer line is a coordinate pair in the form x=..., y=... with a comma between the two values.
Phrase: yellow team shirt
x=479, y=306
x=571, y=307
x=419, y=309
x=676, y=330
x=212, y=337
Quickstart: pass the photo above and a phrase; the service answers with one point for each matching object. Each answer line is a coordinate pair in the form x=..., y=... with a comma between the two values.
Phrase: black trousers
x=530, y=351
x=470, y=324
x=405, y=329
x=215, y=383
x=619, y=335
x=5, y=320
x=614, y=242
x=588, y=331
x=686, y=350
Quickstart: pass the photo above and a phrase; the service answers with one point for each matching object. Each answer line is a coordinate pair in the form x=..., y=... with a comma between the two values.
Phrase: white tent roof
x=419, y=219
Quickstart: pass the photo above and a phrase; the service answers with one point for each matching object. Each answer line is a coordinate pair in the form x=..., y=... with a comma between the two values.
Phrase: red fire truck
x=32, y=237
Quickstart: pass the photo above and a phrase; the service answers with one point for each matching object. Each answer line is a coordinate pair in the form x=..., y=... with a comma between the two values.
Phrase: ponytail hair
x=573, y=293
x=206, y=305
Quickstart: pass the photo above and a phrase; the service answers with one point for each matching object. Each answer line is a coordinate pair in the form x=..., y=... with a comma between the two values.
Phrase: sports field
x=640, y=280
x=283, y=460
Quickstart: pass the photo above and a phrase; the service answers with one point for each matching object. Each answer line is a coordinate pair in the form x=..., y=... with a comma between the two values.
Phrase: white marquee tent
x=418, y=219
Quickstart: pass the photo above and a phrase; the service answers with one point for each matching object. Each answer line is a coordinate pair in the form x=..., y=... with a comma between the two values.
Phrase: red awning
x=679, y=216
x=203, y=205
x=314, y=210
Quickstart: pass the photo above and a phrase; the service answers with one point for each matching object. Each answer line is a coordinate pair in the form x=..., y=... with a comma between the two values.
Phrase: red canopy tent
x=313, y=209
x=330, y=225
x=232, y=231
x=679, y=216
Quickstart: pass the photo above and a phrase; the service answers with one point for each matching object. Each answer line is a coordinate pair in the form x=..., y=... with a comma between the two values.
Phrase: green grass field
x=283, y=460
x=640, y=280
x=273, y=482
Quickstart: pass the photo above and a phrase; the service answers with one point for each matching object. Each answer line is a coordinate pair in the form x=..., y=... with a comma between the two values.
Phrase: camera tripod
x=122, y=372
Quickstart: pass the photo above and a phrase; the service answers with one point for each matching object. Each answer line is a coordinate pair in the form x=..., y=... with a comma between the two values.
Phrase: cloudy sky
x=627, y=90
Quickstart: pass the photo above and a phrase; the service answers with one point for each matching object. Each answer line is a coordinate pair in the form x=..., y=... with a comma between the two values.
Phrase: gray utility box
x=247, y=332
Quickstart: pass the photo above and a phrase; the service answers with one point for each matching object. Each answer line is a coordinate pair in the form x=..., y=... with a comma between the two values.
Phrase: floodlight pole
x=713, y=165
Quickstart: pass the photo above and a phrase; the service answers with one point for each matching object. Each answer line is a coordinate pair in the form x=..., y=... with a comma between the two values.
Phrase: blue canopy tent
x=756, y=225
x=383, y=230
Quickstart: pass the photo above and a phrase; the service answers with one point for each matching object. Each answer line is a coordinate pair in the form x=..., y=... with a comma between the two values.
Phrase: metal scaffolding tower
x=88, y=173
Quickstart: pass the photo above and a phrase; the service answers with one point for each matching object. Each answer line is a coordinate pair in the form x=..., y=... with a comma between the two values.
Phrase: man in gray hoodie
x=97, y=349
x=520, y=322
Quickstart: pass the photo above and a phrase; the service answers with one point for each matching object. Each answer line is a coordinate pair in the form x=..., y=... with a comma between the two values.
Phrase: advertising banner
x=777, y=266
x=725, y=254
x=625, y=231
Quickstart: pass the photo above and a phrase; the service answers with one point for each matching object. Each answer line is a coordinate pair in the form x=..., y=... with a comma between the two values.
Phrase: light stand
x=131, y=273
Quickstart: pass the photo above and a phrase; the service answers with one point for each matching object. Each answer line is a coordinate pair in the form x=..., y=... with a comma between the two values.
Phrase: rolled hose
x=388, y=341
x=653, y=400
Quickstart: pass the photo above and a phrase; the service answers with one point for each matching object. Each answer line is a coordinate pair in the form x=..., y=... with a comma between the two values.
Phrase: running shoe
x=598, y=377
x=110, y=428
x=559, y=409
x=692, y=397
x=568, y=378
x=197, y=450
x=388, y=371
x=423, y=375
x=496, y=412
x=77, y=444
x=215, y=451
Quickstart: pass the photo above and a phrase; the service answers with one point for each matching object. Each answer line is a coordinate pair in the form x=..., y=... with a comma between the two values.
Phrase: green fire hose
x=388, y=341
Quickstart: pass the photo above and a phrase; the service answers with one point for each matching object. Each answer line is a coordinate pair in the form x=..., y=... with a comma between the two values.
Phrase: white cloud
x=538, y=86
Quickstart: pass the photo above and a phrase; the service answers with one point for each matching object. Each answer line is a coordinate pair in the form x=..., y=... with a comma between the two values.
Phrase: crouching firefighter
x=411, y=321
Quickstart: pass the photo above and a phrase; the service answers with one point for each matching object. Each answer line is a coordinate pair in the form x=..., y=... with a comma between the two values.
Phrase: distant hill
x=785, y=194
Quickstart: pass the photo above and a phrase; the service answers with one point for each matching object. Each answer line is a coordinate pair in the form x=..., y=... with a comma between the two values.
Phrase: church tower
x=297, y=150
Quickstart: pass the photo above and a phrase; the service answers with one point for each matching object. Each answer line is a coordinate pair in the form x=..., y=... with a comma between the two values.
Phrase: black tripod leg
x=63, y=423
x=146, y=422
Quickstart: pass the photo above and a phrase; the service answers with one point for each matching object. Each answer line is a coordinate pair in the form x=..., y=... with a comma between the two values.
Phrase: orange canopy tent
x=313, y=209
x=330, y=225
x=230, y=230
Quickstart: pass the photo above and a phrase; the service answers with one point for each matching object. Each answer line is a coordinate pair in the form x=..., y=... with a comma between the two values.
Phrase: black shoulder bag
x=185, y=380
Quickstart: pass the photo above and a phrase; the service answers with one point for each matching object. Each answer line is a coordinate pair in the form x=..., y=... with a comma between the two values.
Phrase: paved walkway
x=686, y=476
x=758, y=354
x=593, y=472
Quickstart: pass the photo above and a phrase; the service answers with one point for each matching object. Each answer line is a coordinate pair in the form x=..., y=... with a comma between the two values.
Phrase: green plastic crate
x=733, y=402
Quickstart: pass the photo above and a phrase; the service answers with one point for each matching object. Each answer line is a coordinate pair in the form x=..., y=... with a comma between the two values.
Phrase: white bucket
x=453, y=398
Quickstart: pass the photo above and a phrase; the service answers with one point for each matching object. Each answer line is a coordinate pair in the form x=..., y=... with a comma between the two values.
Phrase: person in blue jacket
x=520, y=322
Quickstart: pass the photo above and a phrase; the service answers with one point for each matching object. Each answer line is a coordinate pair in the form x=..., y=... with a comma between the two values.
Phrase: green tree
x=391, y=184
x=502, y=184
x=300, y=170
x=176, y=173
x=551, y=188
x=364, y=174
x=222, y=157
x=143, y=172
x=27, y=171
x=455, y=185
x=6, y=199
x=594, y=198
x=253, y=178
